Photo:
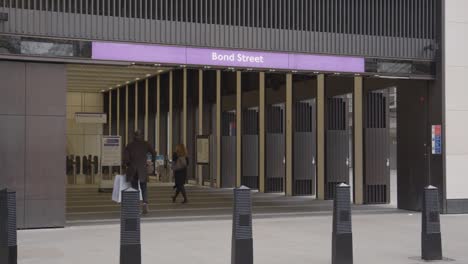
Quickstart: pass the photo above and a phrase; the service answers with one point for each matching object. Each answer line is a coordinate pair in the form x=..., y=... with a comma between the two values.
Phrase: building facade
x=294, y=96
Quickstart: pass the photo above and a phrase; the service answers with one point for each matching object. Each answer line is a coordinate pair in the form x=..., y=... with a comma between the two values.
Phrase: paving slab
x=378, y=239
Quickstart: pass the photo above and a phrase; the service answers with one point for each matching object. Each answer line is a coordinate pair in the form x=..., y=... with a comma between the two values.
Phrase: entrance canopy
x=182, y=55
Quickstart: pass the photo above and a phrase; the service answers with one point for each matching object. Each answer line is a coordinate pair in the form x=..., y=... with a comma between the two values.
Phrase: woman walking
x=179, y=167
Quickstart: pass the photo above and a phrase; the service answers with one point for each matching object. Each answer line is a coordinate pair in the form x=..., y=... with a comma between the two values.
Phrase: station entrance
x=279, y=133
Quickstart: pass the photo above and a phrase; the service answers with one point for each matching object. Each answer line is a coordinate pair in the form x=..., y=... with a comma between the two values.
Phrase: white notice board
x=203, y=149
x=111, y=151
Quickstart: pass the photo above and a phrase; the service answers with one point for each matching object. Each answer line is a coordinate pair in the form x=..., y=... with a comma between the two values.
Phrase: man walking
x=135, y=158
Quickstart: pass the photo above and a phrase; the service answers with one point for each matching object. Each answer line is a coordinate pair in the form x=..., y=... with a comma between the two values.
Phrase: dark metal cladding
x=355, y=27
x=431, y=239
x=242, y=241
x=337, y=141
x=3, y=16
x=342, y=237
x=377, y=148
x=8, y=230
x=130, y=243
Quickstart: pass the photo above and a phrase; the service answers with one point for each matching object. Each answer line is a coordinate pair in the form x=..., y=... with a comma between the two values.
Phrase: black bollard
x=342, y=236
x=242, y=241
x=130, y=245
x=431, y=240
x=8, y=241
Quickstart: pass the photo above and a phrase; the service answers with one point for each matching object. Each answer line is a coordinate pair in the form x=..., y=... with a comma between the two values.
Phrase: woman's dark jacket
x=179, y=167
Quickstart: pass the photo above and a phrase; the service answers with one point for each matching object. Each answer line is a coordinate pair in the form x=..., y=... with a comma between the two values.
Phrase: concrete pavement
x=378, y=239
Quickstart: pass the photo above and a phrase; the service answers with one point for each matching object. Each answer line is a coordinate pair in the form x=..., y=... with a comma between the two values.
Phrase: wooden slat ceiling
x=96, y=78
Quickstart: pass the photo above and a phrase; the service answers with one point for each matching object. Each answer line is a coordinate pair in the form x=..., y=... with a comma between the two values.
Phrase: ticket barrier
x=71, y=169
x=163, y=170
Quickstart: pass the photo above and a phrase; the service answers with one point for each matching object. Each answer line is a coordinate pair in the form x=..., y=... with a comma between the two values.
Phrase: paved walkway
x=378, y=239
x=87, y=206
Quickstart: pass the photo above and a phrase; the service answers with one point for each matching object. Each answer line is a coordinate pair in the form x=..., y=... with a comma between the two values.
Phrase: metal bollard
x=130, y=243
x=342, y=236
x=242, y=241
x=8, y=240
x=431, y=241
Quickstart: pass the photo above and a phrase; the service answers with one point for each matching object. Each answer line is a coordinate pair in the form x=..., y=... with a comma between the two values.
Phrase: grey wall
x=32, y=140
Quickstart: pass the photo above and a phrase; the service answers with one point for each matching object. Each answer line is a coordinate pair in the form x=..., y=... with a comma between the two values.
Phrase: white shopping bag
x=120, y=184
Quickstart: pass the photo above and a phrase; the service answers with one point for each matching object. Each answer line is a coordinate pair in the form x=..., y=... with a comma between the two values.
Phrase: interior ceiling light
x=127, y=82
x=148, y=75
x=137, y=79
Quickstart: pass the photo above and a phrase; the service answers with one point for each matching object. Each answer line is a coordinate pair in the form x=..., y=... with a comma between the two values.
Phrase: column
x=184, y=108
x=126, y=114
x=261, y=133
x=169, y=117
x=289, y=134
x=158, y=114
x=238, y=128
x=200, y=118
x=218, y=128
x=321, y=136
x=110, y=112
x=358, y=141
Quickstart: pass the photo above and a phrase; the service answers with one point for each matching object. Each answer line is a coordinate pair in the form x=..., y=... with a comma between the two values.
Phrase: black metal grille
x=376, y=107
x=330, y=190
x=273, y=185
x=376, y=194
x=228, y=120
x=375, y=28
x=303, y=187
x=402, y=18
x=250, y=181
x=250, y=122
x=275, y=117
x=377, y=151
x=304, y=114
x=336, y=114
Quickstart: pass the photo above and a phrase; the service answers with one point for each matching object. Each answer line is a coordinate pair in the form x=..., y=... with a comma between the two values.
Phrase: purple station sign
x=224, y=58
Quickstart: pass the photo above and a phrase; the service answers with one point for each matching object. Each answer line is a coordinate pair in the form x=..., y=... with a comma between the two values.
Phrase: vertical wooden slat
x=158, y=114
x=238, y=128
x=261, y=132
x=126, y=114
x=321, y=104
x=170, y=115
x=218, y=128
x=184, y=107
